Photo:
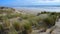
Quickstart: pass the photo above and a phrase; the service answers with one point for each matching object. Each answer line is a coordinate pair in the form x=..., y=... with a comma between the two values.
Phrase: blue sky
x=28, y=2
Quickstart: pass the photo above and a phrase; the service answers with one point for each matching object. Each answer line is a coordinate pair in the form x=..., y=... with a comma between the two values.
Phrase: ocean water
x=51, y=9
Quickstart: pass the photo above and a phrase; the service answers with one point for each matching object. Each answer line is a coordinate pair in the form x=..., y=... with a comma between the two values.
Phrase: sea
x=54, y=8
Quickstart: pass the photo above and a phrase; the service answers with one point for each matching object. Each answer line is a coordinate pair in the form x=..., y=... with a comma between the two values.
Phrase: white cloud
x=45, y=1
x=50, y=0
x=33, y=2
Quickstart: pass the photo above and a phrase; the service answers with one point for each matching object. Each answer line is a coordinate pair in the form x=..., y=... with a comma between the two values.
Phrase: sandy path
x=57, y=29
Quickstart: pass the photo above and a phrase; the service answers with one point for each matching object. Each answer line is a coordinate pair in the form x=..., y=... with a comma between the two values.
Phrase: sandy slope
x=56, y=29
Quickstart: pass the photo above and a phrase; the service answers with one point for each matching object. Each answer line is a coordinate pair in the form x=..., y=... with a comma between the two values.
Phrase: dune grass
x=27, y=22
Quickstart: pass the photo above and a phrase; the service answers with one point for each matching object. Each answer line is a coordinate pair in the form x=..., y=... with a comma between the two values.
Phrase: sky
x=28, y=2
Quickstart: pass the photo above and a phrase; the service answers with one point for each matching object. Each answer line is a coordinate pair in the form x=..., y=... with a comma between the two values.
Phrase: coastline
x=38, y=9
